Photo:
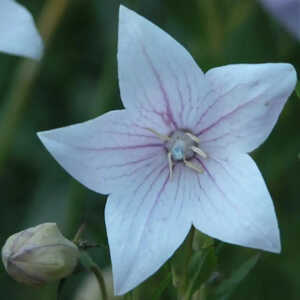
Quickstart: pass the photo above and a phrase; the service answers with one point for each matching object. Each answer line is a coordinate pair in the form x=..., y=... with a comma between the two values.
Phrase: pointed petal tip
x=273, y=246
x=290, y=72
x=44, y=137
x=40, y=134
x=120, y=286
x=278, y=249
x=119, y=291
x=293, y=75
x=23, y=38
x=38, y=54
x=36, y=51
x=125, y=12
x=129, y=18
x=289, y=68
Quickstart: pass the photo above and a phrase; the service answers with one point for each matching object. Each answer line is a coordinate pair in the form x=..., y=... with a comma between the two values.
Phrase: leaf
x=162, y=287
x=202, y=240
x=202, y=265
x=228, y=286
x=179, y=261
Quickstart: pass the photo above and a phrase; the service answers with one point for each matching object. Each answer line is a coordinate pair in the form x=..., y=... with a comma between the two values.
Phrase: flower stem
x=89, y=264
x=96, y=270
x=25, y=77
x=78, y=234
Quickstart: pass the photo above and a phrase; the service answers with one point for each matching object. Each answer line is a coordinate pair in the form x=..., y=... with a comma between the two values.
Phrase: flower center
x=182, y=146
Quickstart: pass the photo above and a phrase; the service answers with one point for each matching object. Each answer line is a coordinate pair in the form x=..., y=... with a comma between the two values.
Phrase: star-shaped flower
x=176, y=156
x=18, y=34
x=287, y=12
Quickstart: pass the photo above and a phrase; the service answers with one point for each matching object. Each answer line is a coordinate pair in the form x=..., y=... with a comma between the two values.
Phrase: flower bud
x=39, y=255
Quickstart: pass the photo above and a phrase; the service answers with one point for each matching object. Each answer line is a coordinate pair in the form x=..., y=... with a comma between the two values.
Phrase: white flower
x=178, y=122
x=18, y=34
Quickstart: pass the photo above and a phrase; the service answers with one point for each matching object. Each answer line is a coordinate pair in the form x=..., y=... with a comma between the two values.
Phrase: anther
x=193, y=167
x=199, y=151
x=163, y=137
x=193, y=137
x=181, y=146
x=170, y=165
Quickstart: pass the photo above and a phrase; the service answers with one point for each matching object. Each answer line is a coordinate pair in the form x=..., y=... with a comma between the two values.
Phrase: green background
x=78, y=81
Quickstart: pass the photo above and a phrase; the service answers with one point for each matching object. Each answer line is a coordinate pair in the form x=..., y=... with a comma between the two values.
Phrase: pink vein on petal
x=177, y=191
x=159, y=193
x=239, y=107
x=140, y=206
x=130, y=162
x=178, y=91
x=218, y=98
x=127, y=134
x=236, y=209
x=161, y=87
x=132, y=172
x=119, y=147
x=216, y=138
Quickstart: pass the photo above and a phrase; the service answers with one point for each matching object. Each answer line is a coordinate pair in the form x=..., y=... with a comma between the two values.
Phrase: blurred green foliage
x=78, y=81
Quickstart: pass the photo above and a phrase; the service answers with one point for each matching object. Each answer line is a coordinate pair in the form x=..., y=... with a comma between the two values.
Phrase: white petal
x=18, y=34
x=146, y=224
x=106, y=152
x=234, y=205
x=244, y=106
x=155, y=72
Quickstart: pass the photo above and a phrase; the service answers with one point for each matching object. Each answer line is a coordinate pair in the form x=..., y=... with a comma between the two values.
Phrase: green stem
x=96, y=270
x=203, y=293
x=79, y=234
x=89, y=264
x=25, y=77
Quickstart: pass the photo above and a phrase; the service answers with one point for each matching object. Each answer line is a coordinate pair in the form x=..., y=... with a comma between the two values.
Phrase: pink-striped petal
x=232, y=204
x=107, y=153
x=155, y=72
x=146, y=224
x=244, y=106
x=18, y=34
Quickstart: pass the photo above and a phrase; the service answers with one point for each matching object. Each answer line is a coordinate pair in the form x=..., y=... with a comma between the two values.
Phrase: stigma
x=182, y=146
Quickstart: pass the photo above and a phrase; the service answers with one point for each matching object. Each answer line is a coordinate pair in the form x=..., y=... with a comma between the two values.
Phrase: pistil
x=182, y=146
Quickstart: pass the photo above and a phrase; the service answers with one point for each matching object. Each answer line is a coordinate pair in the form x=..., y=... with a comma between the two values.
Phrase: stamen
x=199, y=151
x=170, y=165
x=163, y=137
x=193, y=167
x=193, y=137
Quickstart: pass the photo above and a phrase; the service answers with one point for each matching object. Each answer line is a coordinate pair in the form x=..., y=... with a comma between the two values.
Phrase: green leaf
x=202, y=265
x=162, y=287
x=228, y=286
x=179, y=261
x=297, y=90
x=202, y=240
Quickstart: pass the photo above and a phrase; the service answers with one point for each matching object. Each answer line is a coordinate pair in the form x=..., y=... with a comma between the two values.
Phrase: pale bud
x=39, y=255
